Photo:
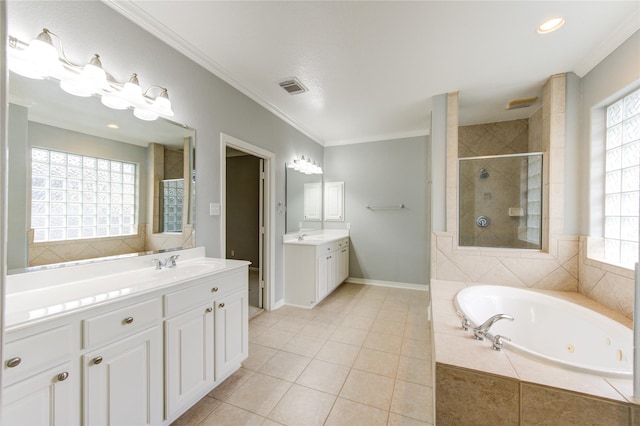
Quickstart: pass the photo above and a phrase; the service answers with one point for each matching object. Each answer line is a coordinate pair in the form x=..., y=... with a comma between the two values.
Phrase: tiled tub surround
x=476, y=385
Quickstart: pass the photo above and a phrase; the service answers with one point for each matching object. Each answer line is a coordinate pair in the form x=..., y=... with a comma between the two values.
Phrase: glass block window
x=622, y=180
x=77, y=196
x=172, y=199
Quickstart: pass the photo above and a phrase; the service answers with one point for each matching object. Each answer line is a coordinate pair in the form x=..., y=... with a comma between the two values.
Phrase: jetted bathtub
x=552, y=329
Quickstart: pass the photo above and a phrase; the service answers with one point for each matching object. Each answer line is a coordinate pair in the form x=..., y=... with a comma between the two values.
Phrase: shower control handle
x=483, y=221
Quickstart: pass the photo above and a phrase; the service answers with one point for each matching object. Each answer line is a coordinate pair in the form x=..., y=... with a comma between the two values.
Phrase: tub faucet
x=498, y=342
x=480, y=332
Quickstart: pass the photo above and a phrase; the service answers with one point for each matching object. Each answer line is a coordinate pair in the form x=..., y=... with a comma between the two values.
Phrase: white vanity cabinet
x=231, y=336
x=313, y=271
x=143, y=359
x=123, y=381
x=205, y=337
x=41, y=381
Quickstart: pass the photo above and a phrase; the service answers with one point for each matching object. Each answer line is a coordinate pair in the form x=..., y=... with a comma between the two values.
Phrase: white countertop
x=41, y=295
x=315, y=238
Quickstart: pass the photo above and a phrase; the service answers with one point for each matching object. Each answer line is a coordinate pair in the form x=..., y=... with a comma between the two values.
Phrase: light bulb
x=39, y=60
x=132, y=91
x=162, y=104
x=92, y=79
x=145, y=114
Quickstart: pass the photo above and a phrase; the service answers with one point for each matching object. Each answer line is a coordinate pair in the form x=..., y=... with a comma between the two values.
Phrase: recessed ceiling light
x=113, y=126
x=551, y=25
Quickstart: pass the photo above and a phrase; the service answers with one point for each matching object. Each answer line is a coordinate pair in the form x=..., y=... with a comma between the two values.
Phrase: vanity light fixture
x=550, y=25
x=41, y=59
x=305, y=166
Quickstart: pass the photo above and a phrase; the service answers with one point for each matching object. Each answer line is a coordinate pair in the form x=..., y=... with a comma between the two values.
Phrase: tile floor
x=361, y=357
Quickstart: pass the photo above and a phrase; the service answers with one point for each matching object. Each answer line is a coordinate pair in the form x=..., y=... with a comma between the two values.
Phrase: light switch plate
x=214, y=209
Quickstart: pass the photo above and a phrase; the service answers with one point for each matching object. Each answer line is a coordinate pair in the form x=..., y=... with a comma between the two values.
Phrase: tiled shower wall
x=563, y=263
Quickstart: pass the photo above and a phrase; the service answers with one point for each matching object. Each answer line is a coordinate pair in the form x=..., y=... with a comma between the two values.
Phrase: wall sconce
x=305, y=166
x=40, y=59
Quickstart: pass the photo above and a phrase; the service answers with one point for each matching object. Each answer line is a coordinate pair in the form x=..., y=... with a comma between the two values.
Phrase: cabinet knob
x=14, y=362
x=128, y=320
x=209, y=310
x=221, y=305
x=213, y=290
x=63, y=376
x=97, y=360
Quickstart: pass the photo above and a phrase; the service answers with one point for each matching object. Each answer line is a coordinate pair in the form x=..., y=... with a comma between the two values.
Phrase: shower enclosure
x=500, y=202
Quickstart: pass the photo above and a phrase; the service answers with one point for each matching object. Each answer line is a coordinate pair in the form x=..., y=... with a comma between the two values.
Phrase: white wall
x=386, y=245
x=200, y=99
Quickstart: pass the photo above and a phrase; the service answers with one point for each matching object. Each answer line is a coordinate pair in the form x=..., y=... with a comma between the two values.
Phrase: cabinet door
x=123, y=381
x=231, y=335
x=312, y=201
x=189, y=357
x=343, y=261
x=323, y=277
x=334, y=201
x=44, y=399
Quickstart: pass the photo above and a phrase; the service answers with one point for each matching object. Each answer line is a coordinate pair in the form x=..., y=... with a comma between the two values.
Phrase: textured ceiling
x=373, y=67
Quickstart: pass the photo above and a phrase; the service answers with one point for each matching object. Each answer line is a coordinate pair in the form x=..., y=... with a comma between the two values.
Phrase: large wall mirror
x=87, y=182
x=304, y=201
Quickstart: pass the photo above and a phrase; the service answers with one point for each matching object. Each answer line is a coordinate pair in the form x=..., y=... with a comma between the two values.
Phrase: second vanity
x=315, y=264
x=119, y=342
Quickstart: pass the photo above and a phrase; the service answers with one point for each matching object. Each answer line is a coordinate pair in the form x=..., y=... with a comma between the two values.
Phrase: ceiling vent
x=293, y=86
x=520, y=103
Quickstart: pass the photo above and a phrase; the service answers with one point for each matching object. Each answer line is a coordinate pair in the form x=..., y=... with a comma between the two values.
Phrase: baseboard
x=276, y=305
x=393, y=284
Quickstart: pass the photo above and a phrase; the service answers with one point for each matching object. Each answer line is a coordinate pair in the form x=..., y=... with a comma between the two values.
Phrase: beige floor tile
x=383, y=342
x=324, y=376
x=398, y=420
x=377, y=362
x=318, y=330
x=418, y=317
x=273, y=338
x=357, y=321
x=368, y=388
x=389, y=315
x=338, y=353
x=285, y=365
x=328, y=317
x=415, y=370
x=417, y=331
x=416, y=348
x=290, y=324
x=386, y=326
x=303, y=314
x=412, y=400
x=258, y=355
x=352, y=413
x=394, y=305
x=226, y=388
x=266, y=319
x=198, y=412
x=269, y=422
x=259, y=394
x=227, y=414
x=303, y=406
x=303, y=345
x=255, y=330
x=348, y=335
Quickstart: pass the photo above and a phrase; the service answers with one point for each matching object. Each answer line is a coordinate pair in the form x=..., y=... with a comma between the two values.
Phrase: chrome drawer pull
x=14, y=362
x=63, y=376
x=128, y=320
x=209, y=310
x=97, y=360
x=221, y=305
x=213, y=290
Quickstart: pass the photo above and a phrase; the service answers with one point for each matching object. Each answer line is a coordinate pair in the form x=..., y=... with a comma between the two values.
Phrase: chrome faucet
x=301, y=237
x=497, y=342
x=480, y=332
x=169, y=262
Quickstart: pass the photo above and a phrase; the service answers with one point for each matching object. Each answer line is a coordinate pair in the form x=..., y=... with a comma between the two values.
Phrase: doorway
x=246, y=221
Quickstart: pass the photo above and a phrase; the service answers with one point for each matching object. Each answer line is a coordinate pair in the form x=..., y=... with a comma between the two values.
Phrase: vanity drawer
x=31, y=354
x=182, y=300
x=116, y=324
